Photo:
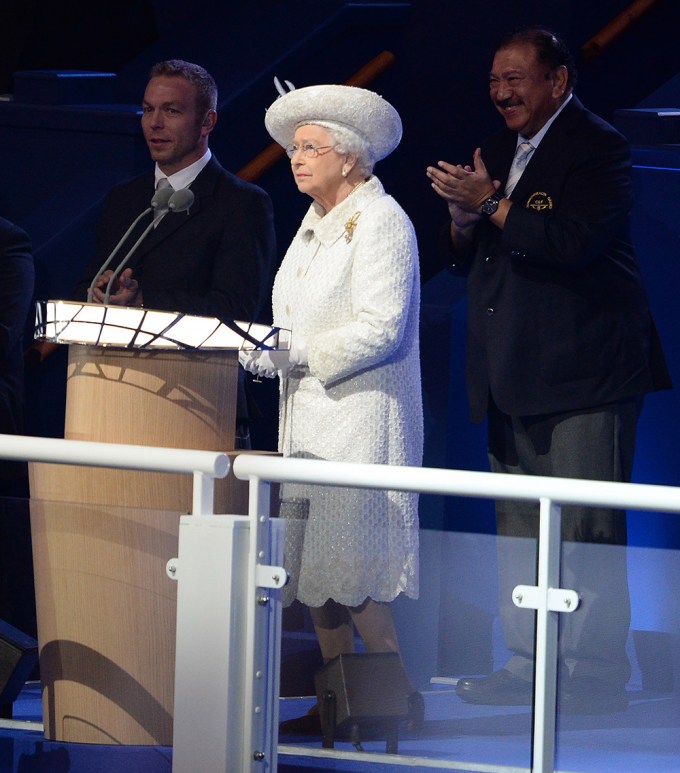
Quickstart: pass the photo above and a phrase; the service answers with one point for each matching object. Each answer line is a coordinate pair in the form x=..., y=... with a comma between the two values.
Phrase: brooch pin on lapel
x=350, y=225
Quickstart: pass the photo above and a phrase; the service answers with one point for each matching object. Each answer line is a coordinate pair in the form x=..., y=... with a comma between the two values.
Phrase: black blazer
x=17, y=275
x=217, y=260
x=558, y=318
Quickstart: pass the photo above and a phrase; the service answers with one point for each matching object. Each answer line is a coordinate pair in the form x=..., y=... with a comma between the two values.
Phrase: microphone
x=161, y=198
x=159, y=203
x=181, y=200
x=178, y=201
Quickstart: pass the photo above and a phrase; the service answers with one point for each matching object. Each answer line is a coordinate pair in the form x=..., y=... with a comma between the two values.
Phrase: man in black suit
x=561, y=349
x=216, y=260
x=17, y=275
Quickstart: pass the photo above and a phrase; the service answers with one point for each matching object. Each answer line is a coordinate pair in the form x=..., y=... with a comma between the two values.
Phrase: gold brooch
x=350, y=225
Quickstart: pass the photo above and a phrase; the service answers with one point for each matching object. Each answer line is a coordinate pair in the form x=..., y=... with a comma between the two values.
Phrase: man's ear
x=559, y=78
x=210, y=120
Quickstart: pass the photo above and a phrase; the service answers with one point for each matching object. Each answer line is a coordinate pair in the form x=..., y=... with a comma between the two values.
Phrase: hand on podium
x=270, y=362
x=126, y=290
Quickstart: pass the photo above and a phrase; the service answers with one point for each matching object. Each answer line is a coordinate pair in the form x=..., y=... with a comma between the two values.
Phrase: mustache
x=508, y=103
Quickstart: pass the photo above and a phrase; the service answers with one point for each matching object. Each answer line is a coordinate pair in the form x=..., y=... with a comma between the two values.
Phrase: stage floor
x=456, y=736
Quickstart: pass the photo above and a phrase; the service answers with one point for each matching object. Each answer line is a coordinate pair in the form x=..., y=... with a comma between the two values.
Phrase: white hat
x=362, y=110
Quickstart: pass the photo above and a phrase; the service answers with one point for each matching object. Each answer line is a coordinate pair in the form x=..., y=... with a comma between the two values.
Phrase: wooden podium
x=106, y=608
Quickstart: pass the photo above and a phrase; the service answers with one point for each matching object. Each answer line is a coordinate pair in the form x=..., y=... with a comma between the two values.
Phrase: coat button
x=489, y=311
x=488, y=259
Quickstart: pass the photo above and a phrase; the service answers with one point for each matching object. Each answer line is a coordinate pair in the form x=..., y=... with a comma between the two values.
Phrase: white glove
x=270, y=362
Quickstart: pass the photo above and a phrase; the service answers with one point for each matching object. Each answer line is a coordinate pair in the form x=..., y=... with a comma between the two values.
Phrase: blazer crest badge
x=539, y=201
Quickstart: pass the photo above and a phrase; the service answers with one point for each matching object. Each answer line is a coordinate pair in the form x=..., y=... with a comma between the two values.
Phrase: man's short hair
x=206, y=88
x=550, y=49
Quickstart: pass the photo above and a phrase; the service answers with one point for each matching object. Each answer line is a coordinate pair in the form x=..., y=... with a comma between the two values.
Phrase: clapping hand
x=463, y=188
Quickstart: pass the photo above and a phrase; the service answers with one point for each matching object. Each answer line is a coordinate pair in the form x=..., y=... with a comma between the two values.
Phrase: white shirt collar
x=536, y=139
x=186, y=176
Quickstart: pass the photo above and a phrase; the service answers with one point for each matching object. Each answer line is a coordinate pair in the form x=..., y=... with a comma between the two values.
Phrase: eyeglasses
x=308, y=150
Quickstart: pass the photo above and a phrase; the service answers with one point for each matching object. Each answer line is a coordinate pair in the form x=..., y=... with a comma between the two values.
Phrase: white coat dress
x=349, y=287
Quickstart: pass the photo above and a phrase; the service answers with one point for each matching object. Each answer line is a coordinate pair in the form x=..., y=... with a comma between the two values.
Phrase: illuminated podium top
x=96, y=324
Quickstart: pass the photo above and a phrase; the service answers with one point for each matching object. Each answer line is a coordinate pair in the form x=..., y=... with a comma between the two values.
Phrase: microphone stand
x=178, y=201
x=159, y=202
x=105, y=265
x=121, y=265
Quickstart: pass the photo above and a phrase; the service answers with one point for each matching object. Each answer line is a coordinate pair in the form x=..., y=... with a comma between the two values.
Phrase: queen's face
x=316, y=166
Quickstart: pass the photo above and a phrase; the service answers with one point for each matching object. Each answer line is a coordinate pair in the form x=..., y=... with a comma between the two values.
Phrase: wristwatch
x=490, y=205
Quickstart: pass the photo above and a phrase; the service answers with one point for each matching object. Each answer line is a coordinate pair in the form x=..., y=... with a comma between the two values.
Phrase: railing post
x=548, y=599
x=547, y=628
x=263, y=632
x=203, y=501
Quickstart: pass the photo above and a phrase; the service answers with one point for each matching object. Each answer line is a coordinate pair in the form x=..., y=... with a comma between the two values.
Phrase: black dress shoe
x=501, y=688
x=307, y=724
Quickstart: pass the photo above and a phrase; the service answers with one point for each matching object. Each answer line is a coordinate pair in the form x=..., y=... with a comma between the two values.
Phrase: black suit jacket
x=217, y=260
x=558, y=318
x=17, y=276
x=16, y=292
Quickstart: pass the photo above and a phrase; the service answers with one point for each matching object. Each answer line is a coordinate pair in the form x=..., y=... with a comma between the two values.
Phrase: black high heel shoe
x=307, y=724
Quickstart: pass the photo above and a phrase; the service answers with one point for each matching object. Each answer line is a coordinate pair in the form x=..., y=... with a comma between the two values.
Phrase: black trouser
x=596, y=444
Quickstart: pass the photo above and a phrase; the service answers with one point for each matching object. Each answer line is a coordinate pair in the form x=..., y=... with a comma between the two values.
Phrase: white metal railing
x=262, y=470
x=221, y=564
x=551, y=493
x=205, y=466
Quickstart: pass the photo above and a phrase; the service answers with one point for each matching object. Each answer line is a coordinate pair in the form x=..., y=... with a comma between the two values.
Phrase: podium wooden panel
x=101, y=539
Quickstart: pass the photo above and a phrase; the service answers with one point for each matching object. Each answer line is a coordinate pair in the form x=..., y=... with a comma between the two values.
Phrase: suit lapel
x=553, y=145
x=500, y=156
x=202, y=186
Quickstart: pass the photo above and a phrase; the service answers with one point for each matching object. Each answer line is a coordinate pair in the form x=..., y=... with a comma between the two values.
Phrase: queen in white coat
x=348, y=289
